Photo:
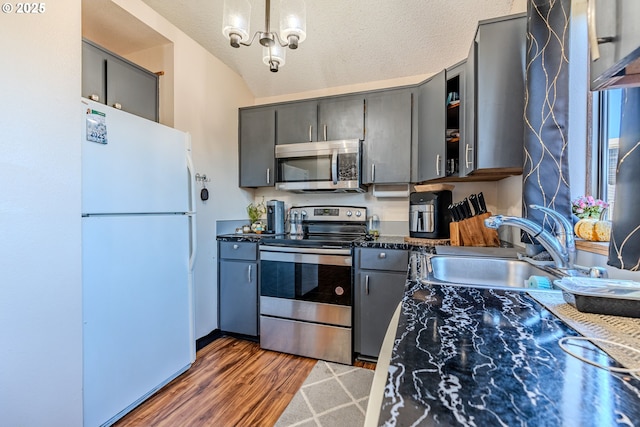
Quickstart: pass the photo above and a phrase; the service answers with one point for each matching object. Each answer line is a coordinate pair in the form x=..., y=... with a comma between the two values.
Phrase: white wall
x=207, y=95
x=40, y=270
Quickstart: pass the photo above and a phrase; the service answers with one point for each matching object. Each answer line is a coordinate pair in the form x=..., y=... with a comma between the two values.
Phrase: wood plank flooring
x=232, y=383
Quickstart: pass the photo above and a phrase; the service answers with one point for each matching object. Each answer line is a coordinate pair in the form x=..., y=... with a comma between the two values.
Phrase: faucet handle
x=598, y=273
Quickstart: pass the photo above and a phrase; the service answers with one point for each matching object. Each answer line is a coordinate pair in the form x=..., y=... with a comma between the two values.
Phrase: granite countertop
x=385, y=242
x=476, y=356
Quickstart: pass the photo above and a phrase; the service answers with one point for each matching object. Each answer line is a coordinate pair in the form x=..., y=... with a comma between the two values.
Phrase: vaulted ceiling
x=348, y=41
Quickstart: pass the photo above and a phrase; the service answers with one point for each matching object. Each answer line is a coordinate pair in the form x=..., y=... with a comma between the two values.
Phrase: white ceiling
x=348, y=41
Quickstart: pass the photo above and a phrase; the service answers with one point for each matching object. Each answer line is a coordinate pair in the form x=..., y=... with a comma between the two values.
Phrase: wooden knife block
x=472, y=232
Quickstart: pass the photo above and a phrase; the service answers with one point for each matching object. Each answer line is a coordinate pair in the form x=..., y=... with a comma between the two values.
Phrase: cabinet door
x=238, y=306
x=135, y=89
x=341, y=118
x=379, y=294
x=297, y=122
x=431, y=127
x=256, y=139
x=93, y=72
x=387, y=142
x=616, y=23
x=500, y=94
x=468, y=147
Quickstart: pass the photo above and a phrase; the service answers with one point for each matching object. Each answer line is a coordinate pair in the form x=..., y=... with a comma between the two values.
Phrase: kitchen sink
x=486, y=272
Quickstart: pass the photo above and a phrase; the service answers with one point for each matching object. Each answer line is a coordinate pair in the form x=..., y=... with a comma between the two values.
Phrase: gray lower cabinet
x=617, y=34
x=117, y=82
x=256, y=147
x=494, y=98
x=380, y=279
x=388, y=136
x=328, y=119
x=238, y=287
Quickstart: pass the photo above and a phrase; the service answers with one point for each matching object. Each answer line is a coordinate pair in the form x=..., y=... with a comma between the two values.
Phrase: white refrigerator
x=138, y=248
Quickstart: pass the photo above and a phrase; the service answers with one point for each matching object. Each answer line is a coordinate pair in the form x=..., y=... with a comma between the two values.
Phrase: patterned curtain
x=546, y=163
x=624, y=247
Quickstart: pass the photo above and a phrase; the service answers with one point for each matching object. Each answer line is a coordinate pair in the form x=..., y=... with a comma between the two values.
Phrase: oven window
x=304, y=169
x=328, y=284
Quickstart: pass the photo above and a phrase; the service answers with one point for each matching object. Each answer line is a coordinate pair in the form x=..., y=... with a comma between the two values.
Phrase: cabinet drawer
x=239, y=250
x=384, y=259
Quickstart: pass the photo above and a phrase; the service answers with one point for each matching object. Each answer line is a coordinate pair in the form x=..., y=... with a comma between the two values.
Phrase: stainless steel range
x=306, y=287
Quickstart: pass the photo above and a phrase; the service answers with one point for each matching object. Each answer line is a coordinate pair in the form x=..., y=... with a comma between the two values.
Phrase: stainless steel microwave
x=329, y=166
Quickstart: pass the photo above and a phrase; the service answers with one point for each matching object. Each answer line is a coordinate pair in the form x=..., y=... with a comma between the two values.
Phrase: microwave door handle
x=334, y=167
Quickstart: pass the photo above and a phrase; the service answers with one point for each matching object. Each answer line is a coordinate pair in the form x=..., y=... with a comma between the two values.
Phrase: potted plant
x=255, y=212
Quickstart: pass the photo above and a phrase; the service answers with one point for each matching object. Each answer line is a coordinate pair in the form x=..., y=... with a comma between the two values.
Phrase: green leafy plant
x=256, y=210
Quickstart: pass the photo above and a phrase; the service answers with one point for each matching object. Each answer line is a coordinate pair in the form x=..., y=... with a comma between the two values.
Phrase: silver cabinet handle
x=117, y=106
x=249, y=273
x=382, y=255
x=373, y=172
x=366, y=284
x=94, y=97
x=467, y=162
x=438, y=164
x=324, y=132
x=310, y=130
x=235, y=246
x=591, y=30
x=268, y=175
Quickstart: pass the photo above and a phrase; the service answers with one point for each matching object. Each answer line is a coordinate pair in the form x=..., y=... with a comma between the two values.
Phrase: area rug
x=332, y=395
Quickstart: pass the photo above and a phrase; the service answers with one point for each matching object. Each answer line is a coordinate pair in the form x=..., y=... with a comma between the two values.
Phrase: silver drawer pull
x=249, y=274
x=94, y=97
x=235, y=246
x=382, y=255
x=117, y=106
x=366, y=284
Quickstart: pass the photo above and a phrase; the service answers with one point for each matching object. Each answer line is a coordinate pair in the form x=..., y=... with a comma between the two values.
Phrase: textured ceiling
x=348, y=41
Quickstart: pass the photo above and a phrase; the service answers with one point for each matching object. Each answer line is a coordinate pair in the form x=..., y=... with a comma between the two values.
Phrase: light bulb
x=236, y=21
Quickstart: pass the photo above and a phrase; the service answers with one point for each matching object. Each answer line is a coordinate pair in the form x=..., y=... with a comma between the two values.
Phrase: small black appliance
x=429, y=216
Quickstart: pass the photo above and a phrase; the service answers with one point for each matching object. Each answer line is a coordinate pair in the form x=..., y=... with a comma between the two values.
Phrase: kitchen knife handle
x=366, y=284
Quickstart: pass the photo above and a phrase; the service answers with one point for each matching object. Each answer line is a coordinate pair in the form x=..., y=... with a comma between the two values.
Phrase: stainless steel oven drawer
x=239, y=250
x=333, y=314
x=383, y=259
x=332, y=343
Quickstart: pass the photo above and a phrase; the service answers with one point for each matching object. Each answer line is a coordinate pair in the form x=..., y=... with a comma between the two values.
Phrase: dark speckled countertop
x=481, y=357
x=385, y=242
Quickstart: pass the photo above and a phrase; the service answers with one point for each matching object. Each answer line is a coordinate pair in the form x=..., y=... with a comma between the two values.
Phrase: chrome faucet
x=562, y=248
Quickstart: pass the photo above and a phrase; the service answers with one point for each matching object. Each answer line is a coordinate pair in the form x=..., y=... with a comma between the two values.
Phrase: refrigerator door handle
x=192, y=203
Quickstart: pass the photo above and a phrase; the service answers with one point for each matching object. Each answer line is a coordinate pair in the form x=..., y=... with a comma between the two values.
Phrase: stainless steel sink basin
x=482, y=271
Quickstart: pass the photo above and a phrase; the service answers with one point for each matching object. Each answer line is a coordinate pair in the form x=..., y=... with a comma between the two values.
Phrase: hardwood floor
x=232, y=383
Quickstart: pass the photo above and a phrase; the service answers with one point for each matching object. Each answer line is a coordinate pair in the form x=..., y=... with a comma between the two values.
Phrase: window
x=607, y=121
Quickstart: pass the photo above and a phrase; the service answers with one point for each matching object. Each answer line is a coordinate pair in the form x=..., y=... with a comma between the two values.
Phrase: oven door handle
x=334, y=167
x=318, y=259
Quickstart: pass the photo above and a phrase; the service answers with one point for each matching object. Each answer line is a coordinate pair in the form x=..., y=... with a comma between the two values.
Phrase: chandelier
x=235, y=26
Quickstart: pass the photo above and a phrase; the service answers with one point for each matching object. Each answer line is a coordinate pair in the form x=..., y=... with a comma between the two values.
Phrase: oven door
x=306, y=274
x=319, y=166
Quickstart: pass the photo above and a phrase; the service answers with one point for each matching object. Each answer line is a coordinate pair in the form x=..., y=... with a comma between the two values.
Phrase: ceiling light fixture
x=235, y=26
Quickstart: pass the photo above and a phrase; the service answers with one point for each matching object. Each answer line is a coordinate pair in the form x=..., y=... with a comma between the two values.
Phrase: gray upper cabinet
x=431, y=150
x=341, y=118
x=494, y=98
x=617, y=36
x=257, y=141
x=297, y=122
x=118, y=83
x=387, y=142
x=325, y=120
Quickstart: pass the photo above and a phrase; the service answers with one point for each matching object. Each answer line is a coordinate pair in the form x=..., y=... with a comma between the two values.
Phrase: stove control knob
x=358, y=214
x=349, y=213
x=303, y=213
